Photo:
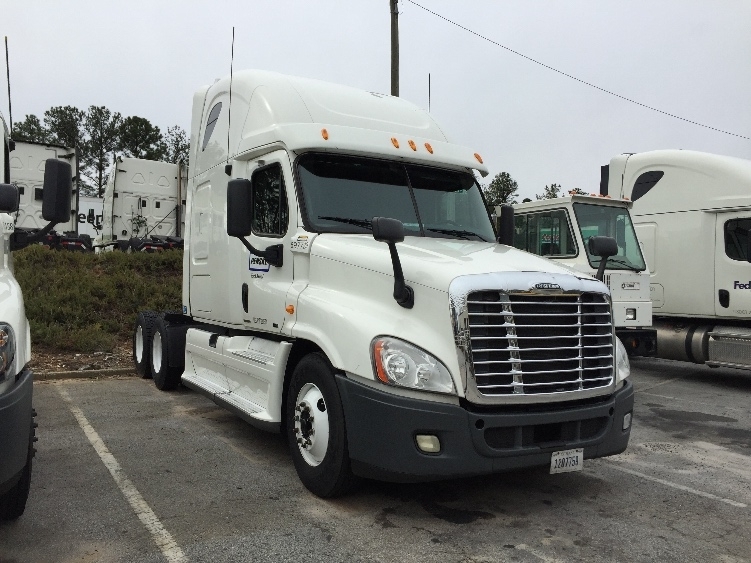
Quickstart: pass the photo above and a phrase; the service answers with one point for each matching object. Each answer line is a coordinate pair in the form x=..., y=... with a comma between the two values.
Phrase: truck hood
x=432, y=262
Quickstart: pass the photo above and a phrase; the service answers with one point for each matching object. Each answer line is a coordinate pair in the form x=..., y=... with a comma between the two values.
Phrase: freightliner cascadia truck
x=560, y=228
x=17, y=426
x=692, y=213
x=343, y=284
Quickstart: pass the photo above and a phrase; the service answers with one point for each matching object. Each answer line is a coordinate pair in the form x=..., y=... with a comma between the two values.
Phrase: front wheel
x=13, y=502
x=315, y=429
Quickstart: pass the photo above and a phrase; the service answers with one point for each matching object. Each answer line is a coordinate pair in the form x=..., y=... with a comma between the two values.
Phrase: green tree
x=65, y=124
x=102, y=128
x=577, y=191
x=138, y=138
x=502, y=189
x=31, y=130
x=177, y=145
x=550, y=192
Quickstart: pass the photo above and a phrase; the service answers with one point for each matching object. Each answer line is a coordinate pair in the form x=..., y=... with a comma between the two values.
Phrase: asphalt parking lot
x=125, y=472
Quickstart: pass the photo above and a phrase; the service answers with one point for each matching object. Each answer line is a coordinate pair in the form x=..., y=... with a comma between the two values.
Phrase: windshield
x=615, y=222
x=342, y=194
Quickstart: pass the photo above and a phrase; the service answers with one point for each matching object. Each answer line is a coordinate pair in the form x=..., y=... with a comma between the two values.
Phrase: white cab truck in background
x=560, y=228
x=343, y=284
x=27, y=165
x=17, y=426
x=692, y=213
x=144, y=205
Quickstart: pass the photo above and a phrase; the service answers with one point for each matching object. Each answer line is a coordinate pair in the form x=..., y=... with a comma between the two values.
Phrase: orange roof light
x=429, y=148
x=290, y=309
x=325, y=134
x=412, y=145
x=395, y=142
x=479, y=158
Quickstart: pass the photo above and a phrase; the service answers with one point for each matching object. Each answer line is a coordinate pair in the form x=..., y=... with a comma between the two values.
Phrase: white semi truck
x=343, y=284
x=27, y=166
x=144, y=205
x=17, y=426
x=692, y=213
x=560, y=228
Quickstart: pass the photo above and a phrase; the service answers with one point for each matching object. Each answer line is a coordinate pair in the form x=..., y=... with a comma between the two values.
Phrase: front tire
x=166, y=377
x=315, y=427
x=142, y=334
x=13, y=502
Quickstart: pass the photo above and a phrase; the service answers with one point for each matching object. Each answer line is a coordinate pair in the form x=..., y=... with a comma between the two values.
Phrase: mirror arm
x=274, y=254
x=601, y=270
x=403, y=293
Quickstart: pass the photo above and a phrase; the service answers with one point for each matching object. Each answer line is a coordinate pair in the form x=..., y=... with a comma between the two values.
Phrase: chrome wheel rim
x=311, y=424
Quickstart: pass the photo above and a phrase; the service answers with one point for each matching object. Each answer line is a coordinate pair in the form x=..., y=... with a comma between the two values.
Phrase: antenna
x=7, y=73
x=428, y=92
x=229, y=109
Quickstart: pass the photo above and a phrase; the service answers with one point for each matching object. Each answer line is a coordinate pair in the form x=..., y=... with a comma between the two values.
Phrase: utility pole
x=394, y=47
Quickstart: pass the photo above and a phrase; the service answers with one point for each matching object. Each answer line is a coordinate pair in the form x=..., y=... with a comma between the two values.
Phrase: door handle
x=245, y=297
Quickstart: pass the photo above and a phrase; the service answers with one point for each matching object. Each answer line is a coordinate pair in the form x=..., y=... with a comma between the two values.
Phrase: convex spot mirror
x=56, y=194
x=9, y=198
x=602, y=246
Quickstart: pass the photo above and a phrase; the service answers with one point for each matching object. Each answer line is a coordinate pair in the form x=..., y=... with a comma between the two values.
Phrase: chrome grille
x=540, y=343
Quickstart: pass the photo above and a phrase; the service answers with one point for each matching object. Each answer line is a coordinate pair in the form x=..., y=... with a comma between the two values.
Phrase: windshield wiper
x=456, y=233
x=364, y=223
x=624, y=263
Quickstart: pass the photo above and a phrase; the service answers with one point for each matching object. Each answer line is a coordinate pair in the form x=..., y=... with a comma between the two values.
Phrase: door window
x=270, y=212
x=736, y=239
x=546, y=234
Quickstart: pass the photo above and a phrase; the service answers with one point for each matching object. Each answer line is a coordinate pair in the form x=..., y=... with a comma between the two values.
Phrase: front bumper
x=15, y=425
x=381, y=430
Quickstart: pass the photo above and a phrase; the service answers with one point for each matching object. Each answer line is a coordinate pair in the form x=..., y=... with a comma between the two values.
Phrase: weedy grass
x=87, y=302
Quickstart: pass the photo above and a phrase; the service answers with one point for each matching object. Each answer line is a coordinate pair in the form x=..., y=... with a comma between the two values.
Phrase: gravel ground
x=46, y=361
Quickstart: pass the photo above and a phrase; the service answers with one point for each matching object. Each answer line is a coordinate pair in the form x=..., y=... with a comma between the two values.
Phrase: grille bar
x=545, y=344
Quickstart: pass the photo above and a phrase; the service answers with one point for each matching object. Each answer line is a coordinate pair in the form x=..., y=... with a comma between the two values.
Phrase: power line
x=522, y=55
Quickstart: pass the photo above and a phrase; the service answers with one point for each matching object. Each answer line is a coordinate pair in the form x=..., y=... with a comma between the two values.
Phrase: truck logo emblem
x=630, y=285
x=547, y=286
x=741, y=285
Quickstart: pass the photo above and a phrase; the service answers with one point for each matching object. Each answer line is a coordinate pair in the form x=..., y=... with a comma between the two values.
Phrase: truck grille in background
x=532, y=344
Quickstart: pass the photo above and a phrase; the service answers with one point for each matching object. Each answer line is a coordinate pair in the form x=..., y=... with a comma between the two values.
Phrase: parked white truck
x=342, y=283
x=27, y=166
x=144, y=205
x=17, y=426
x=692, y=213
x=559, y=229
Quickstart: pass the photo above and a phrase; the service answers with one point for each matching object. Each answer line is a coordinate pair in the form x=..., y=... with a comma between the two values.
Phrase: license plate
x=567, y=460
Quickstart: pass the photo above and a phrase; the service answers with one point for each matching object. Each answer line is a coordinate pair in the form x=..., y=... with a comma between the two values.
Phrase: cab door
x=732, y=267
x=264, y=287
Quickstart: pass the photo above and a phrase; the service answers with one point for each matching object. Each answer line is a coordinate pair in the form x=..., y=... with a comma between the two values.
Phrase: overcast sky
x=688, y=58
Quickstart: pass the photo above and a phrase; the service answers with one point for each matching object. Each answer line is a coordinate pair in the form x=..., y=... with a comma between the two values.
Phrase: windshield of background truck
x=342, y=194
x=615, y=222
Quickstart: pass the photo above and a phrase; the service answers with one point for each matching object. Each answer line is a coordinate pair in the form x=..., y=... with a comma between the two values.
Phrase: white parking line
x=678, y=486
x=160, y=535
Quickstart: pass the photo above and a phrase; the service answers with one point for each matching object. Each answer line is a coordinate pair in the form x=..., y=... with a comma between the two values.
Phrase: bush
x=87, y=302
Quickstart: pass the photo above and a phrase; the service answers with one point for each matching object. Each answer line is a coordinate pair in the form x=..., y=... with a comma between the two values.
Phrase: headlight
x=398, y=363
x=622, y=365
x=7, y=350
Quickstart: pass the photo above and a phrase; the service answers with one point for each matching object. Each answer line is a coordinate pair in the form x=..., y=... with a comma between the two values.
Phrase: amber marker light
x=479, y=158
x=378, y=348
x=290, y=309
x=429, y=148
x=395, y=142
x=325, y=134
x=412, y=145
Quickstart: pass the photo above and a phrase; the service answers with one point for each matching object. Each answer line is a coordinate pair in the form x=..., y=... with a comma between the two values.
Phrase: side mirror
x=239, y=208
x=387, y=230
x=9, y=198
x=604, y=247
x=391, y=231
x=240, y=220
x=506, y=226
x=58, y=185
